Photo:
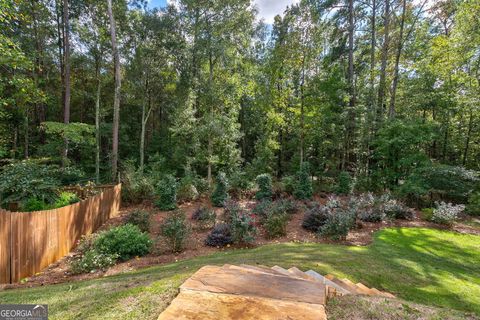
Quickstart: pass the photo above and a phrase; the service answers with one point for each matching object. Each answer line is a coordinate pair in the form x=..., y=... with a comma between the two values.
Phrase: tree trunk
x=66, y=53
x=145, y=116
x=97, y=124
x=383, y=68
x=393, y=92
x=350, y=134
x=467, y=143
x=118, y=84
x=302, y=111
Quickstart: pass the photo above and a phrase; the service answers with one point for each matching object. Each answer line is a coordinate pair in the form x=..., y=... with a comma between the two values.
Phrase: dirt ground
x=59, y=271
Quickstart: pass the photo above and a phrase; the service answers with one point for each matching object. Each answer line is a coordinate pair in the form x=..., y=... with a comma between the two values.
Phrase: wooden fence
x=30, y=241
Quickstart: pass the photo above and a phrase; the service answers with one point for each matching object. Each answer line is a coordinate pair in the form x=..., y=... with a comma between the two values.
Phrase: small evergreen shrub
x=167, y=193
x=242, y=226
x=232, y=208
x=264, y=182
x=288, y=184
x=176, y=231
x=374, y=214
x=315, y=218
x=333, y=202
x=140, y=218
x=93, y=260
x=220, y=193
x=205, y=217
x=187, y=192
x=65, y=199
x=337, y=225
x=34, y=204
x=396, y=210
x=136, y=187
x=220, y=236
x=240, y=184
x=427, y=213
x=344, y=185
x=276, y=224
x=126, y=241
x=446, y=213
x=473, y=207
x=303, y=187
x=286, y=205
x=262, y=208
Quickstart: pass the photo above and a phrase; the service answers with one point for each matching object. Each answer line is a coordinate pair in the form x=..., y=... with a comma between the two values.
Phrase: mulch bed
x=59, y=272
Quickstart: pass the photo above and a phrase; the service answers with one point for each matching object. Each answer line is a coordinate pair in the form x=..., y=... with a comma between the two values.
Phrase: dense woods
x=383, y=92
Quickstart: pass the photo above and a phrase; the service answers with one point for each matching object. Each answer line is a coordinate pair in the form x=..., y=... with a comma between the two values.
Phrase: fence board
x=30, y=241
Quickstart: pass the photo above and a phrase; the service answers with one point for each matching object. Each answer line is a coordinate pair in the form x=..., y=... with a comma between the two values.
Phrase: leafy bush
x=303, y=186
x=374, y=214
x=264, y=182
x=275, y=224
x=186, y=190
x=240, y=184
x=288, y=184
x=333, y=202
x=232, y=208
x=242, y=225
x=344, y=185
x=316, y=217
x=220, y=193
x=220, y=236
x=427, y=213
x=262, y=208
x=439, y=182
x=65, y=199
x=136, y=187
x=176, y=231
x=396, y=210
x=205, y=217
x=286, y=205
x=24, y=180
x=167, y=193
x=93, y=260
x=337, y=225
x=473, y=207
x=127, y=241
x=140, y=218
x=446, y=213
x=34, y=204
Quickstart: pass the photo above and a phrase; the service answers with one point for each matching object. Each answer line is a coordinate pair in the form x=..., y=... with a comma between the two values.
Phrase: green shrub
x=220, y=236
x=344, y=185
x=374, y=214
x=65, y=199
x=262, y=208
x=337, y=225
x=127, y=241
x=427, y=213
x=205, y=217
x=167, y=193
x=28, y=179
x=303, y=186
x=176, y=231
x=473, y=207
x=275, y=223
x=220, y=193
x=316, y=217
x=34, y=204
x=286, y=205
x=232, y=208
x=242, y=225
x=136, y=187
x=446, y=213
x=186, y=190
x=288, y=184
x=396, y=210
x=92, y=261
x=240, y=184
x=264, y=182
x=140, y=218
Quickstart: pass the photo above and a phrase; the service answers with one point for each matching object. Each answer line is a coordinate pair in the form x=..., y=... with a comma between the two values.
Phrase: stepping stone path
x=261, y=293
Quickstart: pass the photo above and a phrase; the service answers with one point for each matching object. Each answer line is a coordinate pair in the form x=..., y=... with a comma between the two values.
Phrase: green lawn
x=426, y=266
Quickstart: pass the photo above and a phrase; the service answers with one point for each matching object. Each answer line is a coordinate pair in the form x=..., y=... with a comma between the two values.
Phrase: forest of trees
x=375, y=88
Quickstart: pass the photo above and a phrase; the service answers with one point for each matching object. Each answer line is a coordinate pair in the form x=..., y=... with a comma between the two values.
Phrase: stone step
x=282, y=271
x=365, y=289
x=255, y=284
x=248, y=268
x=339, y=290
x=350, y=288
x=199, y=305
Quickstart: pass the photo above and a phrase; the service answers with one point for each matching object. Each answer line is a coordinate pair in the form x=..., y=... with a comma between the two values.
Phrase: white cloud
x=268, y=9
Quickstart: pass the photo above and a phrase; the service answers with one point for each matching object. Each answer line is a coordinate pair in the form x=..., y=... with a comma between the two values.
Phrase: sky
x=267, y=9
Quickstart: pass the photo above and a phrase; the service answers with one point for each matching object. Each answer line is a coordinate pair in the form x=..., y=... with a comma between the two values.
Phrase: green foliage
x=337, y=225
x=316, y=217
x=240, y=183
x=344, y=185
x=264, y=182
x=303, y=187
x=187, y=191
x=167, y=193
x=136, y=187
x=65, y=199
x=375, y=214
x=139, y=218
x=242, y=223
x=25, y=180
x=175, y=230
x=34, y=204
x=427, y=213
x=396, y=210
x=205, y=217
x=288, y=184
x=92, y=261
x=473, y=207
x=275, y=223
x=440, y=182
x=220, y=193
x=220, y=236
x=446, y=213
x=126, y=241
